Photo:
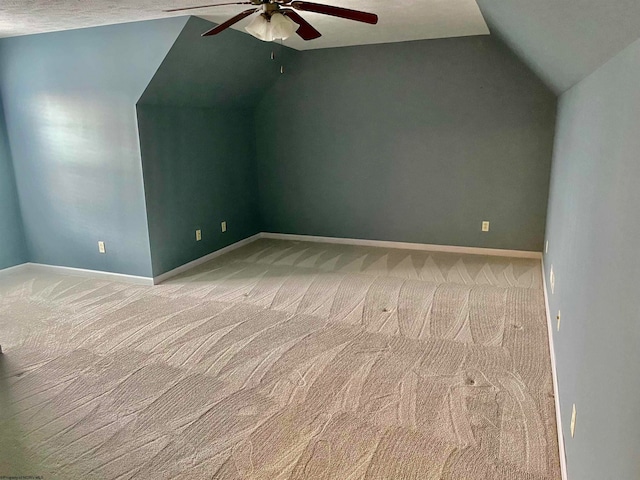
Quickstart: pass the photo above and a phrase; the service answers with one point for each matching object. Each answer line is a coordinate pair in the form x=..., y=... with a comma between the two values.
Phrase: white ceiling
x=400, y=20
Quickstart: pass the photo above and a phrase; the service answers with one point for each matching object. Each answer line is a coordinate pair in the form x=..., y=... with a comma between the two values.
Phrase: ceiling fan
x=278, y=19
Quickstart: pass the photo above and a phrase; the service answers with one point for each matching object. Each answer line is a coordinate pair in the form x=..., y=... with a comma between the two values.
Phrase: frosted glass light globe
x=278, y=27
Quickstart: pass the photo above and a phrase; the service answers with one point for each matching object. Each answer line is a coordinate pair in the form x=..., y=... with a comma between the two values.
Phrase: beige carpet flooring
x=282, y=360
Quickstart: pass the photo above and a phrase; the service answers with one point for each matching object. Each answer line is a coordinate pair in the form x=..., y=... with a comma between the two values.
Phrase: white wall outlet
x=198, y=235
x=485, y=226
x=546, y=246
x=101, y=247
x=552, y=280
x=223, y=225
x=558, y=319
x=573, y=420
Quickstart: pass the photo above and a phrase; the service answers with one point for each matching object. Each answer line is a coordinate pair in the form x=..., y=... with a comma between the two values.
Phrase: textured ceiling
x=563, y=41
x=400, y=20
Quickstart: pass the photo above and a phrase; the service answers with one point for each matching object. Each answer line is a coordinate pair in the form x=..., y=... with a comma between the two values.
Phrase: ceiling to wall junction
x=564, y=41
x=230, y=70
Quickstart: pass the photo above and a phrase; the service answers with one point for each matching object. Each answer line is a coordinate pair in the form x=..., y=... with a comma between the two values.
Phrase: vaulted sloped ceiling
x=227, y=70
x=564, y=41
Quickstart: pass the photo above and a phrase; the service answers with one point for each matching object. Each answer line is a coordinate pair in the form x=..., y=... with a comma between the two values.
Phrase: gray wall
x=230, y=70
x=199, y=170
x=12, y=243
x=198, y=145
x=417, y=142
x=593, y=231
x=414, y=142
x=70, y=110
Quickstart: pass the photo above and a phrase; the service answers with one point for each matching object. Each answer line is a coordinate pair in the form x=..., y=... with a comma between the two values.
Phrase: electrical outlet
x=223, y=225
x=558, y=319
x=546, y=246
x=552, y=280
x=101, y=247
x=573, y=420
x=485, y=226
x=198, y=235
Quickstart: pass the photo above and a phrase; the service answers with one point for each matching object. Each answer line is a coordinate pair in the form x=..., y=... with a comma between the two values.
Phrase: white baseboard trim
x=188, y=266
x=14, y=269
x=119, y=277
x=406, y=246
x=552, y=352
x=82, y=272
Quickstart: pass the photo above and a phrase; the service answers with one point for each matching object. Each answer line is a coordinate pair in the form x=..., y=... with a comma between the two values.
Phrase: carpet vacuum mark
x=282, y=360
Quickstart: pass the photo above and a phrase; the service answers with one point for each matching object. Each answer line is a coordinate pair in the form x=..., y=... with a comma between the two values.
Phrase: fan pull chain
x=281, y=48
x=273, y=57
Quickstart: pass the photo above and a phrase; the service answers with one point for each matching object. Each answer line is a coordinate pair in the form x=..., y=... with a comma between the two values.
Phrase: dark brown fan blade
x=306, y=30
x=336, y=12
x=228, y=23
x=207, y=6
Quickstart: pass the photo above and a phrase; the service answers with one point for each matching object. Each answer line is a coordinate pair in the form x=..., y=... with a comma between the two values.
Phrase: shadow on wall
x=197, y=138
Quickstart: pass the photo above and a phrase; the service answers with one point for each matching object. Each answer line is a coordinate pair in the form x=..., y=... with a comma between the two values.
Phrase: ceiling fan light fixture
x=282, y=27
x=258, y=27
x=276, y=28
